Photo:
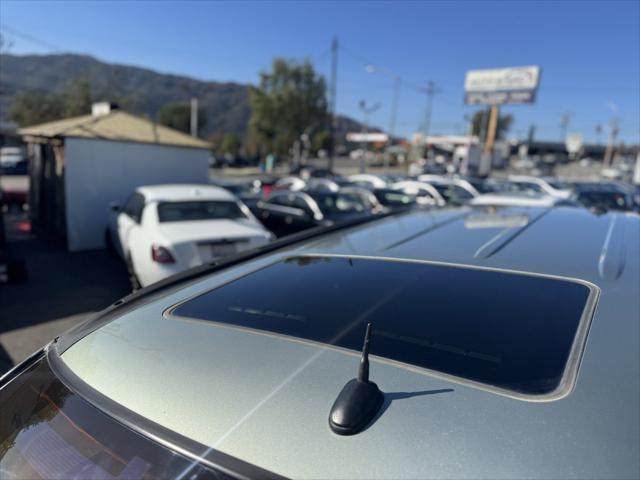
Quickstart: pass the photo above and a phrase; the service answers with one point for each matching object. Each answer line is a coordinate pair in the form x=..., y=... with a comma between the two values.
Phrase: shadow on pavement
x=60, y=284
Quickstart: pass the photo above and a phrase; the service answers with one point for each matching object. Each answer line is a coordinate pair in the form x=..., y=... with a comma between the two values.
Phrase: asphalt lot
x=63, y=289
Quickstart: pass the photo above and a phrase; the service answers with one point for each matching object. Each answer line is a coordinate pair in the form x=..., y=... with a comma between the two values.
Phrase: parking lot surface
x=62, y=290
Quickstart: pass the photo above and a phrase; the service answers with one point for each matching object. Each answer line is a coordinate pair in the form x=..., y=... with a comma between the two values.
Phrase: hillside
x=139, y=90
x=143, y=91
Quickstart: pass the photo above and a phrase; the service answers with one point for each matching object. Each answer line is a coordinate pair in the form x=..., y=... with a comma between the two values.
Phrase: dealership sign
x=372, y=137
x=501, y=86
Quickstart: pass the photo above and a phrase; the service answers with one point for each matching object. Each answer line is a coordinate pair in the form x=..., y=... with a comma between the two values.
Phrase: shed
x=79, y=165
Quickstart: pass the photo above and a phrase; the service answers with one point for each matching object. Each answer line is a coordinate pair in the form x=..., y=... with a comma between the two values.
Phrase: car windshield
x=340, y=203
x=453, y=194
x=200, y=210
x=604, y=200
x=390, y=198
x=47, y=431
x=557, y=184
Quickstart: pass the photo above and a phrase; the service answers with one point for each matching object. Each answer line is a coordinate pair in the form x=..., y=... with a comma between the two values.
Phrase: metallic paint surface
x=266, y=400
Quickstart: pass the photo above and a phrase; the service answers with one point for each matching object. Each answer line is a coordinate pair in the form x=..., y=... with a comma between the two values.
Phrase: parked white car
x=455, y=191
x=367, y=180
x=426, y=194
x=537, y=185
x=290, y=183
x=165, y=229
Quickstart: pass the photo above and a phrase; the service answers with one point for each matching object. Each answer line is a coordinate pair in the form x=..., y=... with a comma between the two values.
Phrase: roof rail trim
x=612, y=258
x=424, y=231
x=504, y=238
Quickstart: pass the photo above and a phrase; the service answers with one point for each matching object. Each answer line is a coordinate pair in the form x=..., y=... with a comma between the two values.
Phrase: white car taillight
x=161, y=254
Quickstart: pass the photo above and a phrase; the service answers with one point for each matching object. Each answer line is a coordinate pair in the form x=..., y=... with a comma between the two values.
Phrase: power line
x=30, y=38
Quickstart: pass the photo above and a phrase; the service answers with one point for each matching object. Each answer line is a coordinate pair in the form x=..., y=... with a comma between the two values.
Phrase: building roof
x=116, y=125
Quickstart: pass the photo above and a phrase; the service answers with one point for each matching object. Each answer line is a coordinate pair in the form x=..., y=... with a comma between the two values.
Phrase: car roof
x=265, y=398
x=600, y=187
x=184, y=192
x=528, y=179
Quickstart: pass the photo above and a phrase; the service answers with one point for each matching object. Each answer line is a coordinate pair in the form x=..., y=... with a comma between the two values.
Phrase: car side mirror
x=115, y=207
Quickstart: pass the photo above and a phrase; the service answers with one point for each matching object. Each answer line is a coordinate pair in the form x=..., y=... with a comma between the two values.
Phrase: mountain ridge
x=141, y=90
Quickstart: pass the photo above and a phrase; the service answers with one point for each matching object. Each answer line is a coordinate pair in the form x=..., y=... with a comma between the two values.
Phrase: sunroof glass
x=507, y=330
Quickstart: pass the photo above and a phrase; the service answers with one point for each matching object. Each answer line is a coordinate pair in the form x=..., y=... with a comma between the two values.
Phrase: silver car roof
x=265, y=399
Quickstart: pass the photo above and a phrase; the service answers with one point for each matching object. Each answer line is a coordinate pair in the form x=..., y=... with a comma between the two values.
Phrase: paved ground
x=62, y=290
x=342, y=166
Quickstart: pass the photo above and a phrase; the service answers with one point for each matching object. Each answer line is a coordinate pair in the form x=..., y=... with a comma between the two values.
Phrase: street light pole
x=430, y=91
x=392, y=120
x=366, y=111
x=334, y=89
x=397, y=82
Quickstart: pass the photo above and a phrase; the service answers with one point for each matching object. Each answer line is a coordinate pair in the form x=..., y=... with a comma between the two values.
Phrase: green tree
x=177, y=115
x=321, y=140
x=480, y=121
x=231, y=144
x=290, y=100
x=31, y=108
x=78, y=98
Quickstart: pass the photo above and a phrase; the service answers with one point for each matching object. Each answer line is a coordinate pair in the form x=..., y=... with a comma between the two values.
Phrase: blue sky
x=589, y=51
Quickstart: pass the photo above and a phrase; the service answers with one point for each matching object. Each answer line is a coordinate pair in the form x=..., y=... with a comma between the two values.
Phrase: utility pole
x=530, y=136
x=430, y=90
x=392, y=121
x=366, y=111
x=194, y=117
x=492, y=128
x=565, y=119
x=598, y=133
x=613, y=133
x=334, y=89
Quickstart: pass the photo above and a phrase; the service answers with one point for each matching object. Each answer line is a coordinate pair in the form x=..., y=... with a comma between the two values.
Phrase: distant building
x=80, y=165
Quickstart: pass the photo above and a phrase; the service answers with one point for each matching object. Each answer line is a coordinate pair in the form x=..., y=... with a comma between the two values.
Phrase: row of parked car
x=162, y=230
x=380, y=193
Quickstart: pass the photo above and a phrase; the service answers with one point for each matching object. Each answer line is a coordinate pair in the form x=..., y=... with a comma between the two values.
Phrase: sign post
x=516, y=85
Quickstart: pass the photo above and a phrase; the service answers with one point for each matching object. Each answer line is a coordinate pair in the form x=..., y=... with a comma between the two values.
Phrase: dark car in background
x=248, y=192
x=603, y=196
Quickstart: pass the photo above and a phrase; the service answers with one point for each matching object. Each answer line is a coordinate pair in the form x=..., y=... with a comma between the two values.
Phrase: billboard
x=373, y=137
x=500, y=86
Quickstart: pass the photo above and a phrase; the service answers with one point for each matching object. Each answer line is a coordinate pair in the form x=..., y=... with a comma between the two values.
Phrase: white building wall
x=98, y=172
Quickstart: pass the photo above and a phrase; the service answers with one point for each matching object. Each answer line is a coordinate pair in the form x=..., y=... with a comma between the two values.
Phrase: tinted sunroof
x=503, y=329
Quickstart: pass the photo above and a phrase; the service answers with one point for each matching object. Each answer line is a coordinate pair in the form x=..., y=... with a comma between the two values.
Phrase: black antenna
x=363, y=371
x=359, y=401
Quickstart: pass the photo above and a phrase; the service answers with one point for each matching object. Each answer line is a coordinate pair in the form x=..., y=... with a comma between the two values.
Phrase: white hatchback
x=165, y=229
